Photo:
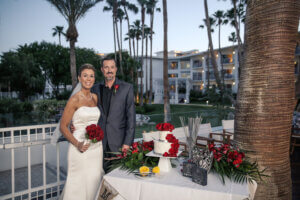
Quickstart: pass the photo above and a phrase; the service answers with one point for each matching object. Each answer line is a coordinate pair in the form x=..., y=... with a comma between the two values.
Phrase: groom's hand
x=72, y=128
x=125, y=147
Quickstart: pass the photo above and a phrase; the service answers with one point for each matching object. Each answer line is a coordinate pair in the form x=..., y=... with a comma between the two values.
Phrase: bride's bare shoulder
x=74, y=100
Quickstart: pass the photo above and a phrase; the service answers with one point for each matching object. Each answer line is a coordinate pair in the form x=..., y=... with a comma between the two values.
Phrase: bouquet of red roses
x=135, y=157
x=94, y=133
x=165, y=127
x=231, y=162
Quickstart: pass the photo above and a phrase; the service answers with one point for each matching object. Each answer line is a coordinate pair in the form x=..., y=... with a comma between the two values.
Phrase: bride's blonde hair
x=86, y=66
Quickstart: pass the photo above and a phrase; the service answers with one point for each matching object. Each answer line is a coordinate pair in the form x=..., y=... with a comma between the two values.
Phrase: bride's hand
x=82, y=147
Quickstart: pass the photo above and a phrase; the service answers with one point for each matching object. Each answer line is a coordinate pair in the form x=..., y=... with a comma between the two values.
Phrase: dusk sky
x=27, y=21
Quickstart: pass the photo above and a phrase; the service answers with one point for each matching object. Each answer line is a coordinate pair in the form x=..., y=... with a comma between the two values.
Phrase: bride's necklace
x=81, y=94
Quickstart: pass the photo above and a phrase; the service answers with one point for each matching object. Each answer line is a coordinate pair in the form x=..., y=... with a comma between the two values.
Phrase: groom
x=116, y=103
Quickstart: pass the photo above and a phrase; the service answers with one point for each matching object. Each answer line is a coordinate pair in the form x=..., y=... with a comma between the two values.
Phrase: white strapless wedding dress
x=85, y=170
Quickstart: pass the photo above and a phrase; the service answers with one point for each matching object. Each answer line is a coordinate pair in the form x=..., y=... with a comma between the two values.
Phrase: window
x=197, y=88
x=211, y=75
x=173, y=65
x=175, y=75
x=197, y=76
x=185, y=74
x=227, y=73
x=197, y=63
x=185, y=65
x=227, y=59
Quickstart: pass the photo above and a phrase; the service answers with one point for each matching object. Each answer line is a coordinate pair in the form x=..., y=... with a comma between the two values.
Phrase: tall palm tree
x=72, y=11
x=129, y=6
x=167, y=112
x=142, y=3
x=212, y=21
x=211, y=50
x=236, y=15
x=119, y=18
x=131, y=36
x=266, y=92
x=147, y=35
x=58, y=30
x=219, y=17
x=151, y=8
x=113, y=6
x=232, y=38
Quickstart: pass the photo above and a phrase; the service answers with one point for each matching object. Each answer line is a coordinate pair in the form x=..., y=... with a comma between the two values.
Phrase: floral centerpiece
x=165, y=127
x=231, y=162
x=135, y=157
x=94, y=133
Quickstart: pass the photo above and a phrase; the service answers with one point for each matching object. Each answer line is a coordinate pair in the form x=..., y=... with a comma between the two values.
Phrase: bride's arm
x=65, y=121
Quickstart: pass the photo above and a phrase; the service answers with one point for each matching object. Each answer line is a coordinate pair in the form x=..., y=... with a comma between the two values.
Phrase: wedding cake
x=167, y=144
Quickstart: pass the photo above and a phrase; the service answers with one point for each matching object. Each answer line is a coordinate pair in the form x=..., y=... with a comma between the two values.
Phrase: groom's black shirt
x=106, y=97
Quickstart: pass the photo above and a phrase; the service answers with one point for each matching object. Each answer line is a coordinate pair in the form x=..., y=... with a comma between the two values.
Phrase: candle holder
x=199, y=175
x=187, y=168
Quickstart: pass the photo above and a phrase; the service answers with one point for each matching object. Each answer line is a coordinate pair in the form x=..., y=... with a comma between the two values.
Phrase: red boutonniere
x=116, y=87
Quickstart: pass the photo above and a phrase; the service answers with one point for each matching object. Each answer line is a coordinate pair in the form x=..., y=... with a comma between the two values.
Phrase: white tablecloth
x=174, y=186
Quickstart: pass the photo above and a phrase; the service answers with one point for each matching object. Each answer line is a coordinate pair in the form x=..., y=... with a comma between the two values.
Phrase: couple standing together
x=109, y=104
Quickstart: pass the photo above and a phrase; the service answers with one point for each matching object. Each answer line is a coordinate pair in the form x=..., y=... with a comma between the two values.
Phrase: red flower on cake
x=174, y=146
x=94, y=133
x=165, y=127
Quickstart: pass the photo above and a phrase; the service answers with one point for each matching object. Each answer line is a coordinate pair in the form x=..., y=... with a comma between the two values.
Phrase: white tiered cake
x=162, y=145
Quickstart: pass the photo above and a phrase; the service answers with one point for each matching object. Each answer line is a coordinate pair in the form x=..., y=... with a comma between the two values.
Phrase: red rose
x=135, y=145
x=116, y=87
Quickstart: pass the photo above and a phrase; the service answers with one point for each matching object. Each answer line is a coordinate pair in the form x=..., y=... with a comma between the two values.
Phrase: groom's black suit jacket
x=119, y=125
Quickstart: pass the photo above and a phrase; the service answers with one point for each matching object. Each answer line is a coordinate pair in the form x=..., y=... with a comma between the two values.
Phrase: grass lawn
x=212, y=114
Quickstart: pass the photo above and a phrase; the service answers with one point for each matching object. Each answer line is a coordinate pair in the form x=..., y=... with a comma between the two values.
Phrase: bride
x=85, y=169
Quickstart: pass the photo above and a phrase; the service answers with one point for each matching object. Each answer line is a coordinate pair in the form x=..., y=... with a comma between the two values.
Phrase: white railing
x=36, y=139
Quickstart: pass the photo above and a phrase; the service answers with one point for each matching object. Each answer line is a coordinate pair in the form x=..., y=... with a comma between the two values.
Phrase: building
x=191, y=70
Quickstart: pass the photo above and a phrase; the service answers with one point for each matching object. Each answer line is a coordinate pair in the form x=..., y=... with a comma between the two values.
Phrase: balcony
x=228, y=76
x=31, y=167
x=227, y=61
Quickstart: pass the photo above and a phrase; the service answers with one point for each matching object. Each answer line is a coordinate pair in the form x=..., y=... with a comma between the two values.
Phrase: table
x=174, y=186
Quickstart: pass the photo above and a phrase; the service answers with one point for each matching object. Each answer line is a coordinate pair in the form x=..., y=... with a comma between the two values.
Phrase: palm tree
x=236, y=15
x=127, y=5
x=58, y=30
x=167, y=112
x=113, y=6
x=119, y=18
x=212, y=21
x=211, y=50
x=72, y=11
x=147, y=35
x=131, y=36
x=266, y=92
x=219, y=17
x=143, y=10
x=232, y=38
x=151, y=7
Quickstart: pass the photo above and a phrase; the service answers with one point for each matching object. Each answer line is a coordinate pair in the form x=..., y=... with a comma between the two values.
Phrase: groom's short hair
x=107, y=58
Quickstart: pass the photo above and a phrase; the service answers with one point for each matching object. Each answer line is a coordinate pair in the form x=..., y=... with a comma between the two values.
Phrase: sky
x=27, y=21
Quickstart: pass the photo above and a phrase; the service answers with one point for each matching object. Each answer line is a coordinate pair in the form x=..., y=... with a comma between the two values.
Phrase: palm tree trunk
x=59, y=39
x=133, y=46
x=128, y=26
x=119, y=47
x=221, y=59
x=266, y=92
x=208, y=68
x=142, y=57
x=114, y=30
x=167, y=113
x=73, y=63
x=151, y=40
x=146, y=68
x=237, y=30
x=214, y=63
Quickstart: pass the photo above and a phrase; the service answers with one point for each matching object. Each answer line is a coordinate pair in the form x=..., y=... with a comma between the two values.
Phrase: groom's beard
x=110, y=78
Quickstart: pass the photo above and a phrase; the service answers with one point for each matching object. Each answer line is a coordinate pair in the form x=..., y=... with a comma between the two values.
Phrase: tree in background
x=211, y=50
x=220, y=20
x=132, y=7
x=72, y=11
x=151, y=8
x=167, y=111
x=142, y=3
x=58, y=30
x=25, y=74
x=265, y=100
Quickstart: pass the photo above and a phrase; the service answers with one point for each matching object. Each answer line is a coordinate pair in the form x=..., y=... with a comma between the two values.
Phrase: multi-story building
x=192, y=70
